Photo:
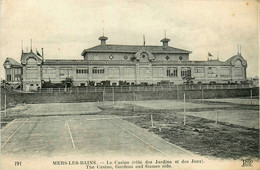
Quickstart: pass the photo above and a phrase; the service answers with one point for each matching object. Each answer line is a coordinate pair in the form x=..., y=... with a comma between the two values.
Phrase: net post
x=152, y=120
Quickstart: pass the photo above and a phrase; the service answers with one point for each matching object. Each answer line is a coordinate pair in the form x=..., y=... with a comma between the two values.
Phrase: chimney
x=103, y=40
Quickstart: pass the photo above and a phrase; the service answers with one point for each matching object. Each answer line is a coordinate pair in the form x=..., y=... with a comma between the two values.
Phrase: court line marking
x=70, y=135
x=140, y=139
x=9, y=123
x=14, y=133
x=107, y=118
x=156, y=136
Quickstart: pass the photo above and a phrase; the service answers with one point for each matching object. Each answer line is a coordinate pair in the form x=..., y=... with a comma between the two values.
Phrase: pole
x=184, y=110
x=152, y=120
x=103, y=96
x=216, y=117
x=177, y=91
x=113, y=97
x=251, y=96
x=5, y=105
x=134, y=101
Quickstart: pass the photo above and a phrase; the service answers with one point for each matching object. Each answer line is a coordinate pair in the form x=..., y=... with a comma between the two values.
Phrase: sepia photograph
x=129, y=84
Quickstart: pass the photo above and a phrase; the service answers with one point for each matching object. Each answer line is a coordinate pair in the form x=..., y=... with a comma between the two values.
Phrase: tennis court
x=88, y=135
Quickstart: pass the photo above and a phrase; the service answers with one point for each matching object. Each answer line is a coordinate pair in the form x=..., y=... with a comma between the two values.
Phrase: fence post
x=134, y=100
x=153, y=88
x=251, y=96
x=202, y=94
x=5, y=105
x=113, y=96
x=103, y=96
x=177, y=91
x=95, y=89
x=184, y=109
x=216, y=117
x=152, y=120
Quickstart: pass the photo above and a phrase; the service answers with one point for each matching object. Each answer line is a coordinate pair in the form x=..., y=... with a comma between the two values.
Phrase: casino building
x=133, y=64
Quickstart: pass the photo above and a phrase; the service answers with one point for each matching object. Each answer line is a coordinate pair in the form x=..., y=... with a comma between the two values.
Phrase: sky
x=64, y=28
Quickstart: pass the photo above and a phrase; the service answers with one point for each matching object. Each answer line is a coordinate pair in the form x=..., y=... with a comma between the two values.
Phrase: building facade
x=132, y=64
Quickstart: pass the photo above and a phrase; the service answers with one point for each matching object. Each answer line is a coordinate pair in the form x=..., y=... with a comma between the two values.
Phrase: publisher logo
x=247, y=162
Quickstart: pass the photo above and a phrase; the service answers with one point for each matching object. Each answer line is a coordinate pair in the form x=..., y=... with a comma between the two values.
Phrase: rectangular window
x=185, y=72
x=8, y=71
x=225, y=72
x=113, y=72
x=66, y=72
x=158, y=72
x=172, y=72
x=144, y=72
x=129, y=72
x=81, y=71
x=238, y=72
x=212, y=72
x=8, y=77
x=199, y=72
x=31, y=73
x=97, y=70
x=17, y=77
x=49, y=73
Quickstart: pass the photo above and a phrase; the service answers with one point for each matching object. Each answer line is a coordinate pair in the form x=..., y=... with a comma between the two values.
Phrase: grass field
x=233, y=111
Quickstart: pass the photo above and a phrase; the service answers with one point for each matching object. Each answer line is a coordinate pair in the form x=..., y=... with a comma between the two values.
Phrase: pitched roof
x=233, y=57
x=134, y=49
x=30, y=53
x=13, y=62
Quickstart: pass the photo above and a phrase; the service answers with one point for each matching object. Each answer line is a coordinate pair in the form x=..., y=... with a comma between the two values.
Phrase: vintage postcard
x=133, y=84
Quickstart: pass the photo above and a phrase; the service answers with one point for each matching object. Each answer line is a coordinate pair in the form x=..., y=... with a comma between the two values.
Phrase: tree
x=188, y=79
x=68, y=82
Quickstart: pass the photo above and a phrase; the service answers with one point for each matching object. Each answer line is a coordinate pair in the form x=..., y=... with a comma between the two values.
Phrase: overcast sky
x=65, y=27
